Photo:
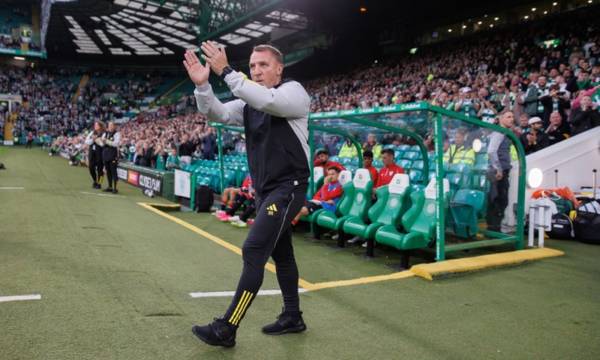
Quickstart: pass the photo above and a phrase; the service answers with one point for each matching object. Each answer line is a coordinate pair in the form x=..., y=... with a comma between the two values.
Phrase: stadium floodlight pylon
x=415, y=120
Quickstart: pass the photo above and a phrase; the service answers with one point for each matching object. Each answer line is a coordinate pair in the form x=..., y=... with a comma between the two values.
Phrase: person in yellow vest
x=458, y=152
x=348, y=150
x=373, y=146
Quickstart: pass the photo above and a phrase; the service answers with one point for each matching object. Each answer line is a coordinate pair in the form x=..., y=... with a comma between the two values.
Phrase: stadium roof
x=156, y=32
x=155, y=28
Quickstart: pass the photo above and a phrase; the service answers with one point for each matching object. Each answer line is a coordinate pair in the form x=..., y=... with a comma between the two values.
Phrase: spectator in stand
x=322, y=160
x=147, y=158
x=388, y=170
x=535, y=139
x=466, y=104
x=555, y=129
x=172, y=162
x=368, y=164
x=186, y=149
x=535, y=91
x=585, y=117
x=209, y=144
x=554, y=101
x=326, y=198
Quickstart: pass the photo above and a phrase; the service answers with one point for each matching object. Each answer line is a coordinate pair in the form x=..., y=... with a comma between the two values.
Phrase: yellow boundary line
x=307, y=285
x=269, y=266
x=426, y=271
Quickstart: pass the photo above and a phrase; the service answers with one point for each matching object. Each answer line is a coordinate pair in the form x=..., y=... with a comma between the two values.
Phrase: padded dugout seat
x=418, y=222
x=464, y=208
x=391, y=204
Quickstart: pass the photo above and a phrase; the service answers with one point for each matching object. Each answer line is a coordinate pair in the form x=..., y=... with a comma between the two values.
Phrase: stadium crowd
x=546, y=72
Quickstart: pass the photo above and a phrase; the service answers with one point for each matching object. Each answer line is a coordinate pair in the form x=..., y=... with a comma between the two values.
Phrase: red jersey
x=373, y=172
x=330, y=191
x=387, y=173
x=247, y=189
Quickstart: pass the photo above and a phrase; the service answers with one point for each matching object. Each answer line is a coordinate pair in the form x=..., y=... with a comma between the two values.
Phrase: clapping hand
x=197, y=72
x=215, y=56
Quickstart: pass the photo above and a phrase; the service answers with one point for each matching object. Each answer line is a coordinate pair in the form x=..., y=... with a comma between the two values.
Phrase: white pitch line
x=12, y=188
x=232, y=293
x=90, y=193
x=20, y=298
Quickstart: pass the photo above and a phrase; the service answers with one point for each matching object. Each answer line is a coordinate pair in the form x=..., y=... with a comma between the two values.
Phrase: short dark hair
x=335, y=168
x=322, y=151
x=367, y=154
x=388, y=151
x=272, y=49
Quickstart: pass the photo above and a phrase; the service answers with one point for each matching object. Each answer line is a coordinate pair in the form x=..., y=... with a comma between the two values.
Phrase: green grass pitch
x=115, y=280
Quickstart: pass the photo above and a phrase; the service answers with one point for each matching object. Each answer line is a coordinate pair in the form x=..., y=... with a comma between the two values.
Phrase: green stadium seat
x=416, y=176
x=412, y=155
x=418, y=165
x=405, y=164
x=318, y=174
x=455, y=180
x=465, y=208
x=419, y=221
x=359, y=201
x=390, y=205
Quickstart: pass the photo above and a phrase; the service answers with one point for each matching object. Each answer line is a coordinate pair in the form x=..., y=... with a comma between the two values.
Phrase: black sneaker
x=115, y=191
x=108, y=190
x=217, y=333
x=286, y=323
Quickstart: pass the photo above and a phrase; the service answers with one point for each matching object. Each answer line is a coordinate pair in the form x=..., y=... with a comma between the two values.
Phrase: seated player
x=244, y=196
x=322, y=160
x=368, y=164
x=326, y=198
x=244, y=220
x=389, y=168
x=230, y=193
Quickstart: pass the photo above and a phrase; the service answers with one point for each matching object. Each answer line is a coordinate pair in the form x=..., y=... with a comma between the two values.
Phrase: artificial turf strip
x=447, y=268
x=115, y=280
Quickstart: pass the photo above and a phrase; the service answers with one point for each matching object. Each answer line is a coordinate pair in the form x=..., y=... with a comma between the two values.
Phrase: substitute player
x=274, y=113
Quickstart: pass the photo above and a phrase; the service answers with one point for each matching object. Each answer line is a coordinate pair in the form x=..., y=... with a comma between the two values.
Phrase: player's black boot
x=287, y=322
x=217, y=333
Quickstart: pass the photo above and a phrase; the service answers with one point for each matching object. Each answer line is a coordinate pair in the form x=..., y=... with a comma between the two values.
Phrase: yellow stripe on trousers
x=245, y=303
x=239, y=305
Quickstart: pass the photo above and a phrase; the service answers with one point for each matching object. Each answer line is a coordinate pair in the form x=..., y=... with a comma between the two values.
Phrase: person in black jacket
x=585, y=117
x=554, y=101
x=555, y=130
x=111, y=140
x=95, y=163
x=535, y=139
x=274, y=113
